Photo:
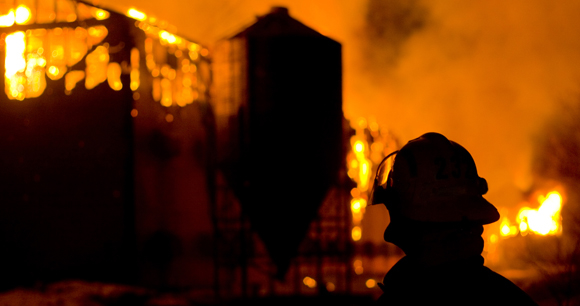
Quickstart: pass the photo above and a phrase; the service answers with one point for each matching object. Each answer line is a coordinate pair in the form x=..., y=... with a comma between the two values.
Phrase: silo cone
x=279, y=117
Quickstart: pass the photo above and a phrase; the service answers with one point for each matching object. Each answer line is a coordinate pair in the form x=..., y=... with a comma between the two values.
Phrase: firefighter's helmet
x=433, y=179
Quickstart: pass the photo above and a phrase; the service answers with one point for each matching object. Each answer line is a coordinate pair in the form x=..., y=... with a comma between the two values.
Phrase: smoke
x=389, y=24
x=486, y=74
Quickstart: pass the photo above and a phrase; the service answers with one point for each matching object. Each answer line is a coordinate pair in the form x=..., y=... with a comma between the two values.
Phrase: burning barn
x=118, y=167
x=95, y=107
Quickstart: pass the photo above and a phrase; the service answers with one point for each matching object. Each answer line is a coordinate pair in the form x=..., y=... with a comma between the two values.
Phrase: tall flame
x=546, y=220
x=369, y=146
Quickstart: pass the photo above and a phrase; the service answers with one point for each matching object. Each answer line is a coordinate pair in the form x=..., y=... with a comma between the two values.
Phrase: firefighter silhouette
x=434, y=197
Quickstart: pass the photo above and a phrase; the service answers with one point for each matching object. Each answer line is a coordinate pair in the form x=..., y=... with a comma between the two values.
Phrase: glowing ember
x=330, y=287
x=309, y=282
x=368, y=147
x=114, y=76
x=356, y=233
x=506, y=229
x=22, y=15
x=37, y=54
x=72, y=78
x=7, y=20
x=100, y=14
x=135, y=82
x=358, y=267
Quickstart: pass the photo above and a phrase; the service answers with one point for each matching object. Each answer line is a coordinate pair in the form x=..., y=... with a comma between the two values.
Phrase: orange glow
x=166, y=93
x=359, y=147
x=506, y=229
x=72, y=78
x=309, y=282
x=135, y=14
x=356, y=233
x=545, y=220
x=77, y=43
x=97, y=63
x=374, y=126
x=359, y=165
x=156, y=90
x=365, y=174
x=100, y=14
x=371, y=283
x=15, y=47
x=55, y=53
x=193, y=55
x=135, y=81
x=358, y=268
x=96, y=35
x=354, y=163
x=361, y=123
x=357, y=218
x=167, y=37
x=134, y=113
x=360, y=162
x=24, y=65
x=357, y=204
x=169, y=118
x=330, y=287
x=114, y=76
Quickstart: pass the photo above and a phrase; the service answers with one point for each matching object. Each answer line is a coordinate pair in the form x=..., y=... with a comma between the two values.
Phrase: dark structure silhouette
x=281, y=147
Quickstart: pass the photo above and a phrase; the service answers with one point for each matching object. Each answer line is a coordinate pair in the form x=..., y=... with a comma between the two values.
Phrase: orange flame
x=368, y=147
x=546, y=220
x=506, y=229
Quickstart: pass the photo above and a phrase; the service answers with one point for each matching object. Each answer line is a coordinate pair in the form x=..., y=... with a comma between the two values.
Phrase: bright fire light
x=15, y=46
x=7, y=20
x=135, y=14
x=356, y=233
x=546, y=219
x=101, y=14
x=358, y=267
x=368, y=147
x=506, y=229
x=22, y=15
